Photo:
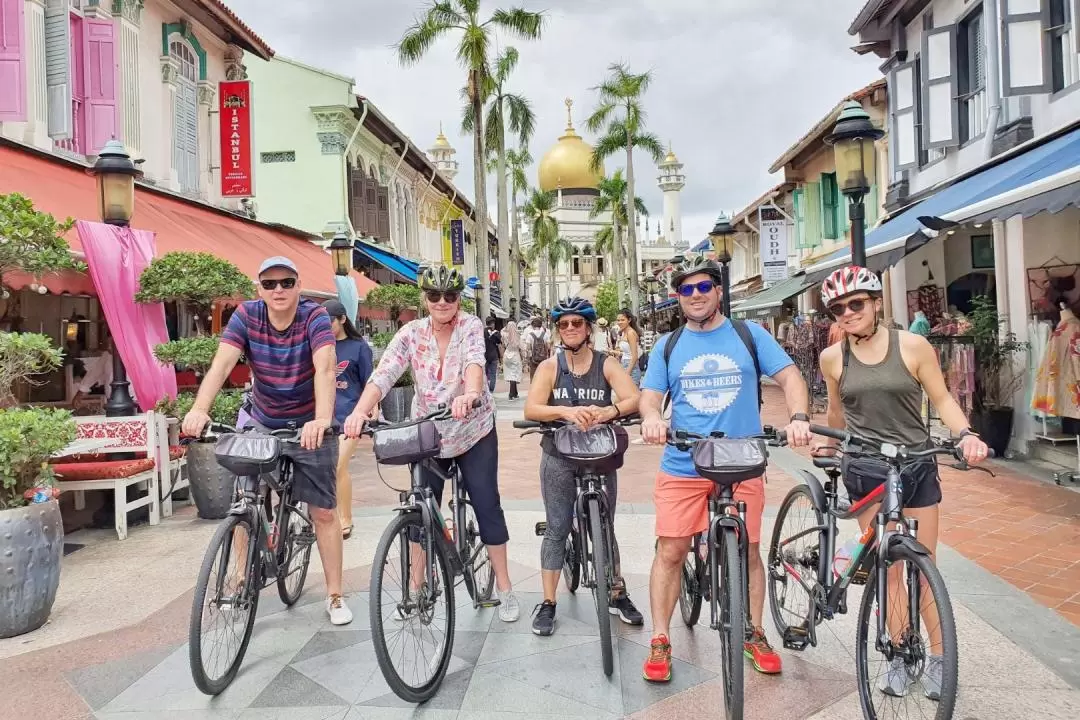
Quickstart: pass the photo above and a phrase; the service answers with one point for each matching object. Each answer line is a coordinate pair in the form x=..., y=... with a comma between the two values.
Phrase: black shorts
x=314, y=478
x=921, y=482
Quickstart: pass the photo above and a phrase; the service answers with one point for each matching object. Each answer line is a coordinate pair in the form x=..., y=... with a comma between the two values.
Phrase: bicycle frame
x=719, y=504
x=420, y=498
x=592, y=486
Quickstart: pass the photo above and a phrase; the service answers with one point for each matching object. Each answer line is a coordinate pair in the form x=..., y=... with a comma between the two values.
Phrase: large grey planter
x=211, y=485
x=31, y=546
x=397, y=405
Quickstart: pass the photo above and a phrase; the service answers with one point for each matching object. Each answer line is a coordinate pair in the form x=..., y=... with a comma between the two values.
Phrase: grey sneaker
x=895, y=682
x=544, y=619
x=509, y=608
x=931, y=677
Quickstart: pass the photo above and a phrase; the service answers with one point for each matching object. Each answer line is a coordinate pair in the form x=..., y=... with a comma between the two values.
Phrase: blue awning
x=666, y=303
x=703, y=246
x=973, y=198
x=406, y=269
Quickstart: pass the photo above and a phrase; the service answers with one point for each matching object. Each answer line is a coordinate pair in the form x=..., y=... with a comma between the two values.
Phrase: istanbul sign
x=235, y=113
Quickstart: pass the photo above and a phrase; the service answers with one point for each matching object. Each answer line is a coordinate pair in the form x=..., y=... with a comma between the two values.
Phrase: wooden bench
x=144, y=436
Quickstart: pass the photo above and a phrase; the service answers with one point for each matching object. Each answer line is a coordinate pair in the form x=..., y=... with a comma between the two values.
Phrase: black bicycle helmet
x=442, y=278
x=574, y=306
x=693, y=266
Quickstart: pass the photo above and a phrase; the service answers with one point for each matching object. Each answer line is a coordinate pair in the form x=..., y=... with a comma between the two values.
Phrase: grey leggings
x=559, y=490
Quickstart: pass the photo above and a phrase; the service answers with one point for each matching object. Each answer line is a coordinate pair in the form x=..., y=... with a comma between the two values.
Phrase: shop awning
x=768, y=301
x=403, y=267
x=1030, y=182
x=58, y=187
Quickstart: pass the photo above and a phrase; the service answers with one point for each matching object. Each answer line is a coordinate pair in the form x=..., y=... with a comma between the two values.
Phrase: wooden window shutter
x=799, y=202
x=58, y=69
x=356, y=200
x=812, y=234
x=941, y=122
x=903, y=82
x=1025, y=47
x=100, y=59
x=383, y=197
x=829, y=202
x=371, y=207
x=12, y=62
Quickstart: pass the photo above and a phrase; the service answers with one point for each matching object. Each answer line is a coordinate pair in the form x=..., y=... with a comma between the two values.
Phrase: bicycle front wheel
x=795, y=557
x=476, y=561
x=731, y=595
x=223, y=610
x=295, y=539
x=915, y=674
x=412, y=620
x=602, y=587
x=571, y=569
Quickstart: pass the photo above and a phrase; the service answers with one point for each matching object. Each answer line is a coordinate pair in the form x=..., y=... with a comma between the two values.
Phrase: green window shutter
x=799, y=200
x=812, y=234
x=829, y=224
x=872, y=201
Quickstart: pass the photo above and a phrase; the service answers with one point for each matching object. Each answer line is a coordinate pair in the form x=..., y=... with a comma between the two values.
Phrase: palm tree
x=613, y=193
x=506, y=111
x=550, y=253
x=625, y=130
x=516, y=163
x=544, y=229
x=443, y=17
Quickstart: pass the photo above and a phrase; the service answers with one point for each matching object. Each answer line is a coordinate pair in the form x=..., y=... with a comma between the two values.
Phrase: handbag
x=600, y=448
x=407, y=444
x=248, y=454
x=730, y=461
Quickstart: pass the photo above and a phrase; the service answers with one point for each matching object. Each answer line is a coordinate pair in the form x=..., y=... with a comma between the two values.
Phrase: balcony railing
x=973, y=105
x=74, y=143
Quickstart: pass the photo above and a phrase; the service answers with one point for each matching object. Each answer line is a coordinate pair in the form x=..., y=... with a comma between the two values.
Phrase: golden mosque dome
x=441, y=143
x=566, y=164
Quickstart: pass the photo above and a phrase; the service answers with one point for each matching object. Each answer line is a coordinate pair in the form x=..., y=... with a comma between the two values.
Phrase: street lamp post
x=852, y=140
x=341, y=251
x=116, y=173
x=723, y=237
x=651, y=284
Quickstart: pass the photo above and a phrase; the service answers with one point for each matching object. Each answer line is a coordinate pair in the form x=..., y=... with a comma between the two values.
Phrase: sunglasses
x=434, y=296
x=839, y=309
x=285, y=283
x=568, y=323
x=704, y=287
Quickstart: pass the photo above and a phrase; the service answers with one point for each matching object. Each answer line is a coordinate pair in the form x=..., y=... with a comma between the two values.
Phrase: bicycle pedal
x=860, y=577
x=541, y=528
x=493, y=602
x=796, y=639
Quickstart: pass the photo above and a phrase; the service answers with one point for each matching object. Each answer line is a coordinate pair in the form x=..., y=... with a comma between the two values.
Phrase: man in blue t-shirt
x=713, y=384
x=290, y=349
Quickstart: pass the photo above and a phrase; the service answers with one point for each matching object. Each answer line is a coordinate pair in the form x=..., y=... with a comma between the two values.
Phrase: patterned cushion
x=106, y=470
x=127, y=433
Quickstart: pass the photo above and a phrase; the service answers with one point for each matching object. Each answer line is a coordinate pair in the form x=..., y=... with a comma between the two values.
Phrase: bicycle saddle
x=826, y=463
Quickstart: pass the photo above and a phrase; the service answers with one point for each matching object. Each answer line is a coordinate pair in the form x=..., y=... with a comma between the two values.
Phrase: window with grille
x=971, y=65
x=283, y=156
x=1063, y=60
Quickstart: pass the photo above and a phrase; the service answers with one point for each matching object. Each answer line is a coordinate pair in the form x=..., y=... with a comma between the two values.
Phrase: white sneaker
x=509, y=608
x=339, y=612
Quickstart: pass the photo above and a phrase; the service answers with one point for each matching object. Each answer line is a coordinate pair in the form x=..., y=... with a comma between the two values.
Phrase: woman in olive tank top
x=876, y=377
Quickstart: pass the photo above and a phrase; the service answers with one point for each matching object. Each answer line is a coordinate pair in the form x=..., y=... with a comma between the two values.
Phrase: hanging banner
x=234, y=105
x=457, y=242
x=774, y=244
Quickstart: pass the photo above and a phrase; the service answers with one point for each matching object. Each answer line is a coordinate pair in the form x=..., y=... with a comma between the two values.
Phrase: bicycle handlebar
x=288, y=435
x=685, y=439
x=442, y=412
x=889, y=451
x=546, y=427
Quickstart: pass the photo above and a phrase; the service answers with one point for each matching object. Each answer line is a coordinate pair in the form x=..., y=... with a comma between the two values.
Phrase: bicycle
x=808, y=568
x=722, y=574
x=590, y=546
x=431, y=554
x=263, y=556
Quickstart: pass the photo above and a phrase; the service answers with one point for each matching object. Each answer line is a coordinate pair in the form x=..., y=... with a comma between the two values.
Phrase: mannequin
x=920, y=325
x=1057, y=386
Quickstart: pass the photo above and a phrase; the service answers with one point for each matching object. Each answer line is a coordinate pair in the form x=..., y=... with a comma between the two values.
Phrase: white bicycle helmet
x=847, y=281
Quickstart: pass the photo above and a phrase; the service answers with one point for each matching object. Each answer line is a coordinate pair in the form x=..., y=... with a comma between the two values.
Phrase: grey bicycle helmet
x=442, y=278
x=574, y=306
x=693, y=266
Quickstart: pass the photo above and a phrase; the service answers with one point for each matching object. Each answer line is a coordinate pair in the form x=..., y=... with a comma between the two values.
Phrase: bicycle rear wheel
x=730, y=592
x=223, y=610
x=571, y=569
x=906, y=685
x=412, y=623
x=476, y=561
x=602, y=588
x=795, y=552
x=693, y=573
x=295, y=539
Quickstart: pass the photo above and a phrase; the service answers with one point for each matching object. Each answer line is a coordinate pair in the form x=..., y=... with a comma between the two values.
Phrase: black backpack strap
x=562, y=377
x=748, y=340
x=669, y=347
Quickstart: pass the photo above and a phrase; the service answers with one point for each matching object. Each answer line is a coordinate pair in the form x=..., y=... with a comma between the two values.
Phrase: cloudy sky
x=735, y=82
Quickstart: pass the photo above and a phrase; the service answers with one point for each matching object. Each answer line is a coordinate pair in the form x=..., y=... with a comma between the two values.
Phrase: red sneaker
x=658, y=666
x=760, y=652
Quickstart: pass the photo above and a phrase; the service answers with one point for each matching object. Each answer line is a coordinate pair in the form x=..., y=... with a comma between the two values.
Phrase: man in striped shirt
x=290, y=349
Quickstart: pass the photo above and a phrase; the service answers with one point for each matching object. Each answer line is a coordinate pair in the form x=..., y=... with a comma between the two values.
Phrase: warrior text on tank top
x=589, y=388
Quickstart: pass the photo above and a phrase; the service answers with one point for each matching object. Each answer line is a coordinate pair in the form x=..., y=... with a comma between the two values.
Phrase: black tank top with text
x=589, y=388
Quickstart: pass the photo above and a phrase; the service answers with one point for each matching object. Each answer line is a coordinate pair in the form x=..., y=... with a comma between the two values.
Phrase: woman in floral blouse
x=445, y=352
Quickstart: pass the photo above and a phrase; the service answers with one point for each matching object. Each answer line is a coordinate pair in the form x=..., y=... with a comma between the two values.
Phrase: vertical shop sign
x=774, y=244
x=457, y=242
x=235, y=114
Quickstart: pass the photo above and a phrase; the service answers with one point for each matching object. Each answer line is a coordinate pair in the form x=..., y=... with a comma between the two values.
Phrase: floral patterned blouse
x=415, y=347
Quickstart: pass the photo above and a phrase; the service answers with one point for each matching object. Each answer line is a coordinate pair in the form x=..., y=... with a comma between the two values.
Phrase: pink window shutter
x=100, y=60
x=12, y=62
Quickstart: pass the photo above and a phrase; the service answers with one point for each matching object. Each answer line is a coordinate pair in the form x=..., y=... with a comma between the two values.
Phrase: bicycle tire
x=571, y=569
x=693, y=573
x=402, y=523
x=730, y=591
x=481, y=587
x=222, y=535
x=303, y=538
x=602, y=587
x=777, y=576
x=867, y=628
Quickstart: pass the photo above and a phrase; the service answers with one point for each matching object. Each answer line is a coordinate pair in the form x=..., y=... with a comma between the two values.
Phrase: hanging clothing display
x=920, y=325
x=1039, y=332
x=1057, y=385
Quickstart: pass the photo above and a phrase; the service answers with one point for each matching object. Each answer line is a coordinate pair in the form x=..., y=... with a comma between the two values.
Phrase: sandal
x=346, y=532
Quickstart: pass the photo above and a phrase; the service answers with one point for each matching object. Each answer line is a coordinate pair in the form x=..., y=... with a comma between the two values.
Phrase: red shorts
x=682, y=505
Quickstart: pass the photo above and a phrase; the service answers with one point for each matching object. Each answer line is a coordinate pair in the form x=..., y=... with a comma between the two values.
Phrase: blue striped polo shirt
x=282, y=371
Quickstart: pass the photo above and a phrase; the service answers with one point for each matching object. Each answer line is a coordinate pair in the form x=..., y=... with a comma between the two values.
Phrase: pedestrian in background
x=536, y=346
x=511, y=339
x=629, y=344
x=492, y=353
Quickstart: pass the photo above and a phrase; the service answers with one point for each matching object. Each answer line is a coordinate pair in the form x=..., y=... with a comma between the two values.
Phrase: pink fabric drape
x=117, y=256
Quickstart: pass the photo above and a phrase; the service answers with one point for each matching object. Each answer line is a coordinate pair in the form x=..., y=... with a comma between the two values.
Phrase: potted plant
x=394, y=299
x=198, y=280
x=999, y=374
x=397, y=405
x=29, y=513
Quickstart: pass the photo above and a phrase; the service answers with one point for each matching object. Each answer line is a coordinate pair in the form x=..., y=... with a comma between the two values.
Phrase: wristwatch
x=800, y=417
x=965, y=432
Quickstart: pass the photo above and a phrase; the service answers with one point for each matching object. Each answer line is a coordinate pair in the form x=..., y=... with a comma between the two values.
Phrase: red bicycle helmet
x=847, y=281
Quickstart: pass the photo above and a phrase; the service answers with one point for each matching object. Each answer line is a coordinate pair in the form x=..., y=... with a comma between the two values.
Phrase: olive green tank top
x=883, y=402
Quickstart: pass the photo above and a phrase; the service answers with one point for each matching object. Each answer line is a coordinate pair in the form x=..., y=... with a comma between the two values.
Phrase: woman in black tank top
x=584, y=388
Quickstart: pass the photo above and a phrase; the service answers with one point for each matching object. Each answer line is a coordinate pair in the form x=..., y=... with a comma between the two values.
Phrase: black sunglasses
x=285, y=283
x=567, y=323
x=704, y=287
x=434, y=296
x=839, y=309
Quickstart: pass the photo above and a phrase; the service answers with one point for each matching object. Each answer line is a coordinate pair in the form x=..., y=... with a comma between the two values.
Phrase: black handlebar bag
x=600, y=448
x=407, y=444
x=730, y=461
x=248, y=453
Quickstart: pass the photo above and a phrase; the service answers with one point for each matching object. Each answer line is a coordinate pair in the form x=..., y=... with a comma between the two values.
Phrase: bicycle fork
x=723, y=519
x=885, y=644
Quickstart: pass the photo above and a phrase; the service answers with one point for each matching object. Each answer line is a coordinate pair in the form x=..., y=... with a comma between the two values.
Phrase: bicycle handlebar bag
x=407, y=444
x=248, y=454
x=730, y=461
x=600, y=448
